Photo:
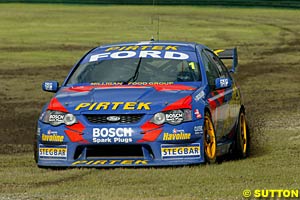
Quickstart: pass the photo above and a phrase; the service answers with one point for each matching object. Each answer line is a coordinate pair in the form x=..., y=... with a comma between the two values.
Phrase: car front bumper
x=172, y=145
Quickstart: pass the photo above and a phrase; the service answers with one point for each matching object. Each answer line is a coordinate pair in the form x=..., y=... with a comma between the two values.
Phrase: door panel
x=219, y=100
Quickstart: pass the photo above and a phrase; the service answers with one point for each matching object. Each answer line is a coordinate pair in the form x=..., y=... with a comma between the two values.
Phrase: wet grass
x=41, y=42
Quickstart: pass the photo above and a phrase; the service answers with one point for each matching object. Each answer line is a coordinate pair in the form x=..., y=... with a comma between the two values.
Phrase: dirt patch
x=72, y=178
x=18, y=128
x=35, y=71
x=19, y=113
x=15, y=148
x=63, y=47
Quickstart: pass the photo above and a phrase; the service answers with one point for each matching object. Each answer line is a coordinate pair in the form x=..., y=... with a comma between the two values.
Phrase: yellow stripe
x=218, y=51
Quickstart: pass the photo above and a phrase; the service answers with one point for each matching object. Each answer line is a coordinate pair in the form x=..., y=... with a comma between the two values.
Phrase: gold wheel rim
x=209, y=139
x=243, y=138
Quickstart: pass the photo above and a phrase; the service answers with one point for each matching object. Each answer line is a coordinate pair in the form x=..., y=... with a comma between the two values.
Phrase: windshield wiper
x=136, y=73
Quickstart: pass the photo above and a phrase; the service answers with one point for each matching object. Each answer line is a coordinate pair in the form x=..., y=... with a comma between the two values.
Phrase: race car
x=149, y=103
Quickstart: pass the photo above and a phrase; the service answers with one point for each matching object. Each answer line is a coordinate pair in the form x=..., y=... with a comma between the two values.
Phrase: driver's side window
x=211, y=71
x=219, y=65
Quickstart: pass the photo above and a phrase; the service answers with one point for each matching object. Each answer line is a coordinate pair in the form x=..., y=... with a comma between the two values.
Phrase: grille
x=114, y=151
x=124, y=119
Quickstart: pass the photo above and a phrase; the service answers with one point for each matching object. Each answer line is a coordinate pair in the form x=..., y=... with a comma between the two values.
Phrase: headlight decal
x=173, y=117
x=74, y=129
x=56, y=105
x=56, y=118
x=75, y=133
x=151, y=132
x=175, y=113
x=183, y=103
x=59, y=117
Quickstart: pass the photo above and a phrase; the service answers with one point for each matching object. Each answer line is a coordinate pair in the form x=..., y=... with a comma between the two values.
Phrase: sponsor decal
x=178, y=116
x=114, y=106
x=110, y=162
x=48, y=85
x=197, y=114
x=141, y=54
x=53, y=152
x=56, y=118
x=151, y=83
x=170, y=151
x=199, y=96
x=131, y=83
x=176, y=135
x=198, y=130
x=107, y=83
x=178, y=131
x=116, y=135
x=52, y=136
x=136, y=47
x=224, y=82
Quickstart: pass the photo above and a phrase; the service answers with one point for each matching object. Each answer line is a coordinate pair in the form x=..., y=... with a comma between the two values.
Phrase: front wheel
x=210, y=144
x=35, y=150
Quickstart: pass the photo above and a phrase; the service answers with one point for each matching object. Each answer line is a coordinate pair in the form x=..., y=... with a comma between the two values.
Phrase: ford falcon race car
x=143, y=104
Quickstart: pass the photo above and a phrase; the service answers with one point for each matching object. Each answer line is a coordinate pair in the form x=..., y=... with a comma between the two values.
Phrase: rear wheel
x=242, y=138
x=210, y=144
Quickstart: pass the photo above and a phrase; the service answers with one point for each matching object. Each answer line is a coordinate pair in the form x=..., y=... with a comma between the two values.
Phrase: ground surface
x=42, y=42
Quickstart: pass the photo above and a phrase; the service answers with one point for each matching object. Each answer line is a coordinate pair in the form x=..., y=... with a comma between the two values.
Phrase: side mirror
x=50, y=86
x=223, y=83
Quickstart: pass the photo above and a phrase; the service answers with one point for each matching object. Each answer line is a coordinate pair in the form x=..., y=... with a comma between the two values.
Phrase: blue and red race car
x=144, y=104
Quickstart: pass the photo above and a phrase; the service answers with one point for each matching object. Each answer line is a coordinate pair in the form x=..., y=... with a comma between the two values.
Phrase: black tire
x=242, y=138
x=35, y=150
x=209, y=140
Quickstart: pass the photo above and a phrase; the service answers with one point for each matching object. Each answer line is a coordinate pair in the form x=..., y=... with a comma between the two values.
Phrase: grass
x=41, y=42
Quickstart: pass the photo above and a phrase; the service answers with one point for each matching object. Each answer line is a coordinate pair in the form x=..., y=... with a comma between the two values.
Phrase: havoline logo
x=116, y=135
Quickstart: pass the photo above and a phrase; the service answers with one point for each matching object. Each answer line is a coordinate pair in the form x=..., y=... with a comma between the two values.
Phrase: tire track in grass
x=288, y=40
x=63, y=178
x=34, y=71
x=293, y=45
x=284, y=31
x=63, y=47
x=71, y=178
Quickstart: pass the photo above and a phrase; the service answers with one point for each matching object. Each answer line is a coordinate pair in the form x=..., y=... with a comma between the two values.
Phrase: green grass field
x=42, y=42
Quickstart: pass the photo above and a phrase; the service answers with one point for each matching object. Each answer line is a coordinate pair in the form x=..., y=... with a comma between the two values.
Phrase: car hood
x=122, y=99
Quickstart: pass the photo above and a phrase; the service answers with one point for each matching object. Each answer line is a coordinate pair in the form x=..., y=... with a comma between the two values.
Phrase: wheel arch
x=207, y=110
x=243, y=109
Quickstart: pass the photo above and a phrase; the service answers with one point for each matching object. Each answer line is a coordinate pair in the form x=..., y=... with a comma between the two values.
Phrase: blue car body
x=114, y=120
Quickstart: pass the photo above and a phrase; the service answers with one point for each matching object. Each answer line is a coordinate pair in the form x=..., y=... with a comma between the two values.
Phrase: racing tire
x=210, y=143
x=242, y=138
x=35, y=150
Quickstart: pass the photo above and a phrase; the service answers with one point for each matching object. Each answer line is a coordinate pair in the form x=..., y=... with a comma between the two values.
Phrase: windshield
x=137, y=66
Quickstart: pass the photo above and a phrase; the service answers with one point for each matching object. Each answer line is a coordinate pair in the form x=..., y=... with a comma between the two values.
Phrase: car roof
x=187, y=45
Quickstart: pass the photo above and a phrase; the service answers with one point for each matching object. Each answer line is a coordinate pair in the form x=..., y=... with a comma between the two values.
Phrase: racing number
x=192, y=64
